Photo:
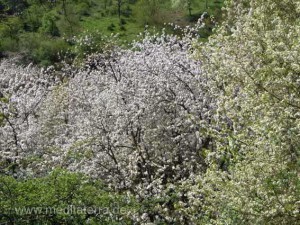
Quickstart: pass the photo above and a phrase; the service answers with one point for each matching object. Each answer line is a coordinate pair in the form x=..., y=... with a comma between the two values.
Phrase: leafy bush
x=111, y=27
x=42, y=50
x=49, y=26
x=61, y=198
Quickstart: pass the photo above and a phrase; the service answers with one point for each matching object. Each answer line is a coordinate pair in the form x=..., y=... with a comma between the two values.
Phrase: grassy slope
x=99, y=21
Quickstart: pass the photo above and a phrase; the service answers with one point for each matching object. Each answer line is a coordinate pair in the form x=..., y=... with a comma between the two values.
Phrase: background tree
x=119, y=5
x=149, y=12
x=183, y=3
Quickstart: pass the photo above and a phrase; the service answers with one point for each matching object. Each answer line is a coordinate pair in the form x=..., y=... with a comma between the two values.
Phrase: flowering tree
x=135, y=118
x=253, y=64
x=22, y=92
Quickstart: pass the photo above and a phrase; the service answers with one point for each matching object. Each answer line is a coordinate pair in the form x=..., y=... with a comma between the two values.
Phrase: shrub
x=61, y=197
x=42, y=49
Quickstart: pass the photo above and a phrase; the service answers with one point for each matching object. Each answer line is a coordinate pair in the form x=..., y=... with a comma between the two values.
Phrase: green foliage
x=63, y=19
x=83, y=9
x=69, y=21
x=61, y=198
x=10, y=27
x=111, y=27
x=148, y=12
x=49, y=25
x=2, y=119
x=32, y=18
x=42, y=49
x=2, y=115
x=12, y=7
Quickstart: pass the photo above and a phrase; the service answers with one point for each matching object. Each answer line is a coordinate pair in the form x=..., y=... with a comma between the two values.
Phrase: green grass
x=101, y=21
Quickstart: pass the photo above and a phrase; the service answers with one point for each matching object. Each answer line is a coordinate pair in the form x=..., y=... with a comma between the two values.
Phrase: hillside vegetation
x=45, y=31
